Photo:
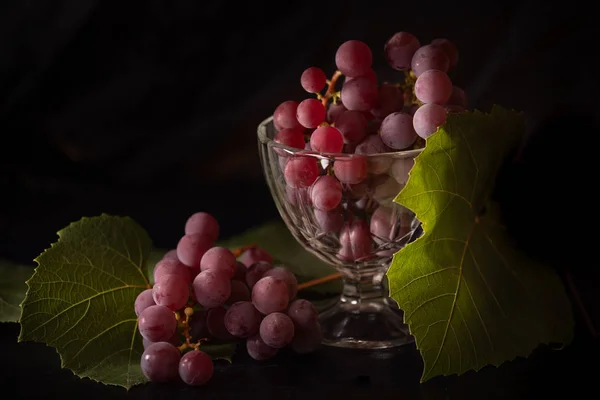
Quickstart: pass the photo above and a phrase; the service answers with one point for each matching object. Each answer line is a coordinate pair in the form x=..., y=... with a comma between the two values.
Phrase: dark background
x=149, y=109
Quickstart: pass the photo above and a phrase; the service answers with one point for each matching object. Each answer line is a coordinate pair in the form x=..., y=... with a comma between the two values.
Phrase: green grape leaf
x=12, y=289
x=470, y=297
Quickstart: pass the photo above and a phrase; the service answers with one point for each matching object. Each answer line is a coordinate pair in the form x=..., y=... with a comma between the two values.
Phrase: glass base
x=373, y=324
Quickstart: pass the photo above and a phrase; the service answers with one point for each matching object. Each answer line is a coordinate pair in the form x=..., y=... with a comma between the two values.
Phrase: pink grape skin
x=287, y=276
x=350, y=170
x=352, y=125
x=428, y=118
x=449, y=48
x=390, y=99
x=313, y=80
x=171, y=255
x=400, y=49
x=254, y=255
x=400, y=169
x=333, y=111
x=326, y=193
x=239, y=292
x=143, y=301
x=240, y=272
x=172, y=267
x=175, y=341
x=171, y=291
x=291, y=138
x=310, y=113
x=429, y=57
x=284, y=116
x=219, y=259
x=383, y=224
x=307, y=340
x=370, y=75
x=270, y=295
x=255, y=272
x=258, y=349
x=353, y=58
x=202, y=222
x=215, y=323
x=355, y=241
x=242, y=319
x=374, y=145
x=277, y=330
x=160, y=362
x=211, y=288
x=326, y=139
x=360, y=94
x=192, y=247
x=157, y=323
x=457, y=98
x=303, y=313
x=397, y=131
x=301, y=172
x=329, y=221
x=195, y=368
x=433, y=86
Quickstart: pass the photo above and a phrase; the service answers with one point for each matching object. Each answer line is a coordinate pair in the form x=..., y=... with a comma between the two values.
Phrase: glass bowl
x=358, y=237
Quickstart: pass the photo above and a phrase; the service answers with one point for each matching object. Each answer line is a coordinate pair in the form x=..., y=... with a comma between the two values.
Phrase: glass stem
x=362, y=288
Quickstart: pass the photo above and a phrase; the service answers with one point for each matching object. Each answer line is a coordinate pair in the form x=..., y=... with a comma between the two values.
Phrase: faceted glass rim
x=266, y=140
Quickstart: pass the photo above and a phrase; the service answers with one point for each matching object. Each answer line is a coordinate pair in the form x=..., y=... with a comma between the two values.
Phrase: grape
x=433, y=86
x=307, y=340
x=329, y=221
x=192, y=247
x=242, y=319
x=327, y=139
x=449, y=48
x=258, y=349
x=284, y=116
x=353, y=58
x=199, y=326
x=196, y=368
x=313, y=80
x=334, y=111
x=386, y=190
x=175, y=340
x=458, y=97
x=383, y=223
x=355, y=241
x=297, y=196
x=291, y=138
x=352, y=125
x=254, y=255
x=287, y=276
x=370, y=75
x=397, y=131
x=303, y=313
x=400, y=169
x=172, y=267
x=215, y=323
x=389, y=99
x=239, y=292
x=360, y=94
x=310, y=113
x=204, y=223
x=240, y=272
x=211, y=288
x=301, y=172
x=374, y=145
x=219, y=259
x=349, y=148
x=171, y=291
x=256, y=272
x=157, y=323
x=171, y=255
x=350, y=170
x=143, y=301
x=399, y=50
x=270, y=295
x=160, y=362
x=277, y=330
x=429, y=57
x=326, y=193
x=428, y=118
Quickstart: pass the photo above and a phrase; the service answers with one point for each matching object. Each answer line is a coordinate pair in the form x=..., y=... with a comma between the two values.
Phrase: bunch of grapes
x=202, y=292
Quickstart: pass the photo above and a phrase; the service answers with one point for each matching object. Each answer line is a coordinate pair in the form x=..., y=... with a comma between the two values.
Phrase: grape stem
x=184, y=326
x=240, y=250
x=319, y=281
x=331, y=92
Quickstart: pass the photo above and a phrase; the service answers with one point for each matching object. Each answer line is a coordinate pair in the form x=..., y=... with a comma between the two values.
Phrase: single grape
x=255, y=272
x=270, y=295
x=240, y=272
x=400, y=49
x=219, y=259
x=277, y=330
x=313, y=80
x=390, y=99
x=326, y=139
x=350, y=170
x=291, y=138
x=333, y=111
x=196, y=368
x=171, y=255
x=172, y=267
x=143, y=301
x=360, y=94
x=284, y=116
x=429, y=57
x=384, y=224
x=171, y=291
x=449, y=48
x=329, y=221
x=258, y=349
x=204, y=223
x=353, y=58
x=303, y=313
x=355, y=241
x=373, y=144
x=458, y=98
x=301, y=172
x=239, y=292
x=433, y=86
x=400, y=169
x=242, y=319
x=157, y=323
x=397, y=131
x=352, y=125
x=386, y=189
x=160, y=362
x=211, y=288
x=215, y=323
x=192, y=247
x=428, y=118
x=326, y=193
x=199, y=326
x=287, y=276
x=298, y=196
x=307, y=340
x=370, y=75
x=254, y=255
x=310, y=113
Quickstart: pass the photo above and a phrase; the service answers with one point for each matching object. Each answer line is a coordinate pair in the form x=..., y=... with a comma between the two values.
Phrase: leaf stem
x=575, y=293
x=319, y=281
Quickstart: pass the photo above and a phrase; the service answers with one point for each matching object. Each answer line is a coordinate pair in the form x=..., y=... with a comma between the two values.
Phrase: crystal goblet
x=358, y=237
